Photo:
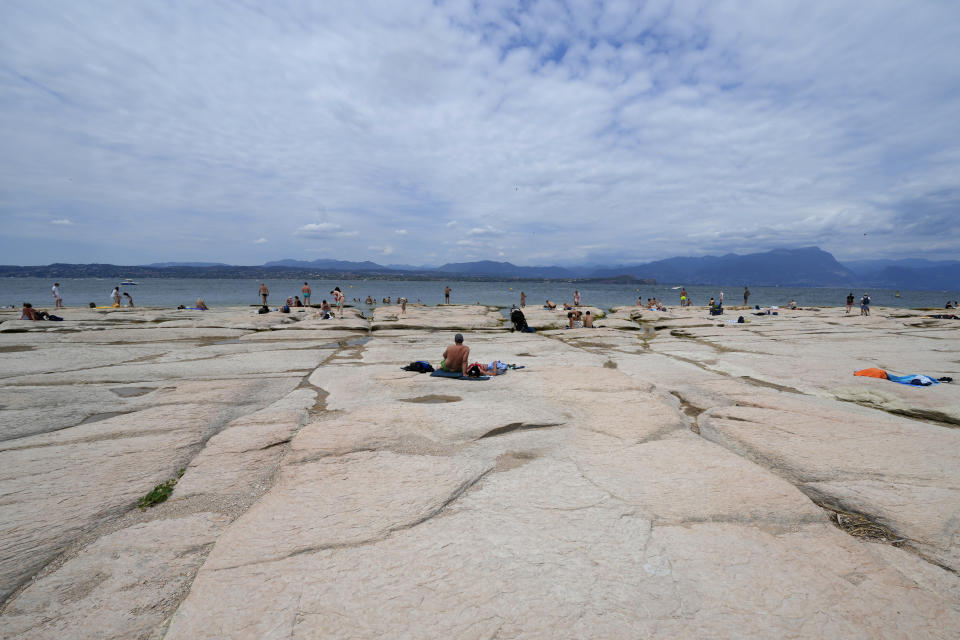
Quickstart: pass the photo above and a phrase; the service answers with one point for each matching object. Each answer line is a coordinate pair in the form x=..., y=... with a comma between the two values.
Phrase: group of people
x=456, y=358
x=295, y=301
x=864, y=304
x=116, y=298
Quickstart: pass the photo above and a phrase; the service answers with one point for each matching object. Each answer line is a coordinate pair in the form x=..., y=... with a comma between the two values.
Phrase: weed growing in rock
x=159, y=493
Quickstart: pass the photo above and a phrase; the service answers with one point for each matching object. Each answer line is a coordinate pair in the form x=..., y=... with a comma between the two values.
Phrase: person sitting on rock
x=588, y=320
x=575, y=318
x=29, y=313
x=455, y=356
x=324, y=310
x=550, y=304
x=297, y=302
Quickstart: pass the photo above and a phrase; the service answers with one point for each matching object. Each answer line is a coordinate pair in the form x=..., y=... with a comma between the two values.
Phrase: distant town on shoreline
x=803, y=267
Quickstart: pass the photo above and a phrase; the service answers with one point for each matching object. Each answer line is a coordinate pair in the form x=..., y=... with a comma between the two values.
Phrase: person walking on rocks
x=264, y=292
x=446, y=295
x=865, y=305
x=55, y=289
x=305, y=290
x=455, y=356
x=746, y=297
x=849, y=302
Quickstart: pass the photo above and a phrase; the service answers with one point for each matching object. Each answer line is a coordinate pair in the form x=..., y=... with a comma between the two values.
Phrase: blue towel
x=440, y=373
x=913, y=379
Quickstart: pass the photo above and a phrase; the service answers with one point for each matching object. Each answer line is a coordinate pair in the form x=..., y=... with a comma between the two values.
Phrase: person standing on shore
x=721, y=298
x=264, y=292
x=865, y=305
x=849, y=302
x=305, y=290
x=683, y=297
x=746, y=296
x=446, y=295
x=115, y=296
x=55, y=289
x=338, y=298
x=523, y=299
x=576, y=298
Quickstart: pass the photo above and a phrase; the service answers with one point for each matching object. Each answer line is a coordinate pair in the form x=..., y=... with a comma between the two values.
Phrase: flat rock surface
x=665, y=474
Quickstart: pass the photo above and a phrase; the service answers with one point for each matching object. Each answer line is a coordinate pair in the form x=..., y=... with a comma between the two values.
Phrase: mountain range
x=802, y=267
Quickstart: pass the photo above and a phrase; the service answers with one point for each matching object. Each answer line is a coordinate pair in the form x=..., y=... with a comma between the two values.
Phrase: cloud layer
x=554, y=133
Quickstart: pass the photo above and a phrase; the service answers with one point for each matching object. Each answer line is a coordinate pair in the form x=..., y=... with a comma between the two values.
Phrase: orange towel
x=872, y=372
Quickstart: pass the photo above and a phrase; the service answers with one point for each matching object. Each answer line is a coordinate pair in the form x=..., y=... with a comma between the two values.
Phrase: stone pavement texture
x=662, y=475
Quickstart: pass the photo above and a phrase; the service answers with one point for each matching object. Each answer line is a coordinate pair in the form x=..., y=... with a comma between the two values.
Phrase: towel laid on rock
x=456, y=375
x=912, y=379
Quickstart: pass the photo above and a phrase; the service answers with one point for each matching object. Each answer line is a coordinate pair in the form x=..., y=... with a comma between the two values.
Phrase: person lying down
x=492, y=369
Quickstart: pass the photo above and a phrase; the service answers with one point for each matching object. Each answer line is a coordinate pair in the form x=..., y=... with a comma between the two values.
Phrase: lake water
x=163, y=292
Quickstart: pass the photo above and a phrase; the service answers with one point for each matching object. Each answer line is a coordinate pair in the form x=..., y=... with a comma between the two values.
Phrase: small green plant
x=159, y=493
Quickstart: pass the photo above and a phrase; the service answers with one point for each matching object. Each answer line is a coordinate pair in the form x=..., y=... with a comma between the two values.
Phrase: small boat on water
x=128, y=283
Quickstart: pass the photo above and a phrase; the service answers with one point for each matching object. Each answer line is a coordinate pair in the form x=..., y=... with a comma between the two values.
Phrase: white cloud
x=384, y=250
x=260, y=241
x=676, y=127
x=324, y=230
x=63, y=221
x=485, y=231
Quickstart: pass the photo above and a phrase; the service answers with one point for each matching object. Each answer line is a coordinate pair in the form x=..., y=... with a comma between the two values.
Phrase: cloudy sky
x=538, y=132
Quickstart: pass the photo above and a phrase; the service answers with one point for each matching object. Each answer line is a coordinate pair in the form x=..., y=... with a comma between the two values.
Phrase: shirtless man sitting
x=455, y=356
x=587, y=320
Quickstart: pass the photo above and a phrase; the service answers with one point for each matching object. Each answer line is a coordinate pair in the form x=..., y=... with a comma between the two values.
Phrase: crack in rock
x=518, y=426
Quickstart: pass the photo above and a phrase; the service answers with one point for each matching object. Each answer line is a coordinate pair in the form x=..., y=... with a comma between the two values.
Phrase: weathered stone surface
x=630, y=481
x=120, y=586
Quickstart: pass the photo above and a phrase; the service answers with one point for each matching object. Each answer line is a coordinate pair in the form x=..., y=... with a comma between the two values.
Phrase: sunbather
x=455, y=356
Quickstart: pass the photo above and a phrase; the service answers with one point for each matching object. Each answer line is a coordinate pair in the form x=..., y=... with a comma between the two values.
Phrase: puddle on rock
x=15, y=348
x=132, y=392
x=432, y=399
x=97, y=417
x=513, y=459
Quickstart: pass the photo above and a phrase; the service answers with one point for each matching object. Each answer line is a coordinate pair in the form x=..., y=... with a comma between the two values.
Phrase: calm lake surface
x=163, y=292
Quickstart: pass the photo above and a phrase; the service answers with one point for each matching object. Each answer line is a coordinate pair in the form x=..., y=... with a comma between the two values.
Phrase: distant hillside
x=328, y=265
x=163, y=265
x=504, y=270
x=807, y=267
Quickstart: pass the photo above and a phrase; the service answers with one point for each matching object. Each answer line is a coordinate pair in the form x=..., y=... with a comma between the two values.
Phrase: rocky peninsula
x=664, y=474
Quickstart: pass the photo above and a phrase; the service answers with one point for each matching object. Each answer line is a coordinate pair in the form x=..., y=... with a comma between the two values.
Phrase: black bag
x=420, y=366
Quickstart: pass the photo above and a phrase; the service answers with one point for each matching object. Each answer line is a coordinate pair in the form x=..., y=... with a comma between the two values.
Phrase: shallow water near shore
x=222, y=292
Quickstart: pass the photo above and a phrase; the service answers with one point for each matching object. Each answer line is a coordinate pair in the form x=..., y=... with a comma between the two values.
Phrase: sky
x=539, y=132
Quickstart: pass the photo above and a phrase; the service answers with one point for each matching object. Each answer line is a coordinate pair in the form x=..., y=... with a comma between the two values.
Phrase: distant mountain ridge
x=802, y=267
x=504, y=270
